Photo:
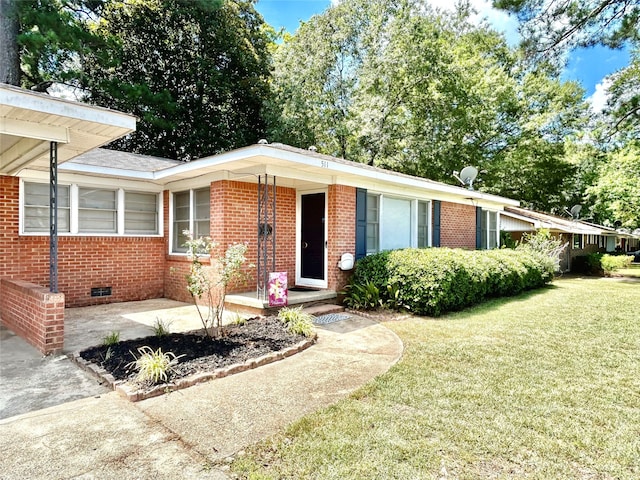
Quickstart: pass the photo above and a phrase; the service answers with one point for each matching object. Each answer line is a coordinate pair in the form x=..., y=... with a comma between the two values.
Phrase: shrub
x=154, y=367
x=611, y=263
x=297, y=321
x=436, y=280
x=362, y=296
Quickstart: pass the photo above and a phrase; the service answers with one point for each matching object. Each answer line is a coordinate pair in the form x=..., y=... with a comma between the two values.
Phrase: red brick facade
x=234, y=218
x=34, y=313
x=457, y=225
x=131, y=266
x=342, y=237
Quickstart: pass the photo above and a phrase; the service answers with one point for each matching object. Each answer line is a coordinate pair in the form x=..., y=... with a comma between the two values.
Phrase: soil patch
x=257, y=337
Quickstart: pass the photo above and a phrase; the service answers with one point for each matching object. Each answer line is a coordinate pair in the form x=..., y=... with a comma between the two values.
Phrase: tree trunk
x=9, y=51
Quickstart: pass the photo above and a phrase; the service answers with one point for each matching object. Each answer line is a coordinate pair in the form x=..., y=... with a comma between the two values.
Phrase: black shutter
x=478, y=228
x=435, y=240
x=361, y=222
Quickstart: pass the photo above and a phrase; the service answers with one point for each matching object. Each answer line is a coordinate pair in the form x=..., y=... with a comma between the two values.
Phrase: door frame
x=311, y=282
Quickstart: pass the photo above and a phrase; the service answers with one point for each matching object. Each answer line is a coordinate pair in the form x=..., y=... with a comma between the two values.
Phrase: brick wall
x=234, y=218
x=34, y=313
x=342, y=234
x=131, y=266
x=457, y=225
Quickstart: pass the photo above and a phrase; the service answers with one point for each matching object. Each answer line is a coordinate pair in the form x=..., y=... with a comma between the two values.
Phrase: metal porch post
x=53, y=217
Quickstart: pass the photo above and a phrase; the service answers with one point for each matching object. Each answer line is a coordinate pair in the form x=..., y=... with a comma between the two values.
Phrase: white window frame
x=413, y=240
x=74, y=188
x=487, y=233
x=172, y=233
x=24, y=206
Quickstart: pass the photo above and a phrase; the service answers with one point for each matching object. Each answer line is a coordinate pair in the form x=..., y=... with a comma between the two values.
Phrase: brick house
x=580, y=236
x=121, y=217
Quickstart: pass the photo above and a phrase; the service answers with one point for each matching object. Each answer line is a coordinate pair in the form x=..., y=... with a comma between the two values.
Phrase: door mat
x=330, y=318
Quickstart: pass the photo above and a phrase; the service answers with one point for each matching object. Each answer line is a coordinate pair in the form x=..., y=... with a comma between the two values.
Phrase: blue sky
x=587, y=66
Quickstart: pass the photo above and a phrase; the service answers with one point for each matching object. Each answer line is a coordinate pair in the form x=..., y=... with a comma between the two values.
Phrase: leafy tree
x=624, y=101
x=549, y=26
x=42, y=39
x=401, y=86
x=194, y=72
x=616, y=195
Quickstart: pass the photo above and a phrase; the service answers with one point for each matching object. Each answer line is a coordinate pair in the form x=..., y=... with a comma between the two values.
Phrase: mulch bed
x=257, y=337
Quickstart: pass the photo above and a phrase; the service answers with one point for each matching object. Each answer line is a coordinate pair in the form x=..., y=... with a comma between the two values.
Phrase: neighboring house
x=582, y=237
x=121, y=217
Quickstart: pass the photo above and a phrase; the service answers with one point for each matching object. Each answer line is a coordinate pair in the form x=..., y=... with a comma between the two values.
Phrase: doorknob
x=305, y=244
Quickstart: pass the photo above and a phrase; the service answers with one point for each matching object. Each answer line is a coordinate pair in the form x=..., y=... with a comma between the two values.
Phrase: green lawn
x=545, y=385
x=632, y=271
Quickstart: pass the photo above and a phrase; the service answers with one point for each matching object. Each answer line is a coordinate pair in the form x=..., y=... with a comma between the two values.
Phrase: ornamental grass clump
x=154, y=366
x=297, y=321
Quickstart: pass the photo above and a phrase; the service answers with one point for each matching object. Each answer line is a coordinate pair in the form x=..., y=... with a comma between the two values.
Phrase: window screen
x=180, y=219
x=141, y=213
x=423, y=224
x=97, y=210
x=396, y=223
x=36, y=207
x=201, y=225
x=373, y=220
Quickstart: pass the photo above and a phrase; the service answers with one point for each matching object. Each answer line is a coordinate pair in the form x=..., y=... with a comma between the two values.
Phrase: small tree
x=211, y=282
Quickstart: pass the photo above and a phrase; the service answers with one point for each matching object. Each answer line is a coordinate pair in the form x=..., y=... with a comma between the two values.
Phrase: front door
x=312, y=240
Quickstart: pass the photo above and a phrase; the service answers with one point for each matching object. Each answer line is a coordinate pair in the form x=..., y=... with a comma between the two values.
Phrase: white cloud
x=498, y=19
x=599, y=98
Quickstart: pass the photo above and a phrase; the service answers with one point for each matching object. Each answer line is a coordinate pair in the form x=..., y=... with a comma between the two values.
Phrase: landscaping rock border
x=134, y=393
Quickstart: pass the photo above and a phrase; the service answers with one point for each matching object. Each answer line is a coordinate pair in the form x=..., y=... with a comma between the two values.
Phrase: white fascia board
x=26, y=100
x=92, y=181
x=535, y=222
x=321, y=169
x=22, y=128
x=105, y=171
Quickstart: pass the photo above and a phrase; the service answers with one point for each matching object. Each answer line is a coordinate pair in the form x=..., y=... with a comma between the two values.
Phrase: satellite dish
x=263, y=141
x=467, y=176
x=575, y=211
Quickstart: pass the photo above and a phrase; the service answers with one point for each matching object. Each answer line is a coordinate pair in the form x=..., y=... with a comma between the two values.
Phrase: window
x=394, y=223
x=577, y=241
x=190, y=212
x=88, y=210
x=373, y=222
x=423, y=224
x=140, y=212
x=97, y=210
x=36, y=208
x=489, y=230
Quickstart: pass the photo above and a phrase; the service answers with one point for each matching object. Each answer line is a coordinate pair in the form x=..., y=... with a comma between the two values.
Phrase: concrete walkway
x=190, y=433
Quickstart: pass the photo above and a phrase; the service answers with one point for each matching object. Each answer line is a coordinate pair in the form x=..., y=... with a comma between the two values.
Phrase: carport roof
x=29, y=121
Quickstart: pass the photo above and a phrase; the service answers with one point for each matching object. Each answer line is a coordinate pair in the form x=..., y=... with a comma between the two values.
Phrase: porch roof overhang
x=30, y=121
x=300, y=169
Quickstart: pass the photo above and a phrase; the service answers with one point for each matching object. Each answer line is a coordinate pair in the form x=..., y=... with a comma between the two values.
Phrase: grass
x=543, y=385
x=632, y=271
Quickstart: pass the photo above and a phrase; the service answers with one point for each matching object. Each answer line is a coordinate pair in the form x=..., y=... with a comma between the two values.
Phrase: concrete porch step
x=323, y=309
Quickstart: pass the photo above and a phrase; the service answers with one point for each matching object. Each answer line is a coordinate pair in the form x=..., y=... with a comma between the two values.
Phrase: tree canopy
x=195, y=74
x=392, y=83
x=401, y=86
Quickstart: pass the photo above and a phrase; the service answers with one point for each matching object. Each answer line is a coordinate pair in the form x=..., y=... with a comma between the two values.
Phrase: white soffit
x=29, y=121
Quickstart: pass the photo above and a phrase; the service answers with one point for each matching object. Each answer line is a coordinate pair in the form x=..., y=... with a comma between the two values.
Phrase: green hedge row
x=432, y=281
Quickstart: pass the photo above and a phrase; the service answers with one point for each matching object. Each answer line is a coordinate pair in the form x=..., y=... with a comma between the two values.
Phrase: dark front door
x=312, y=236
